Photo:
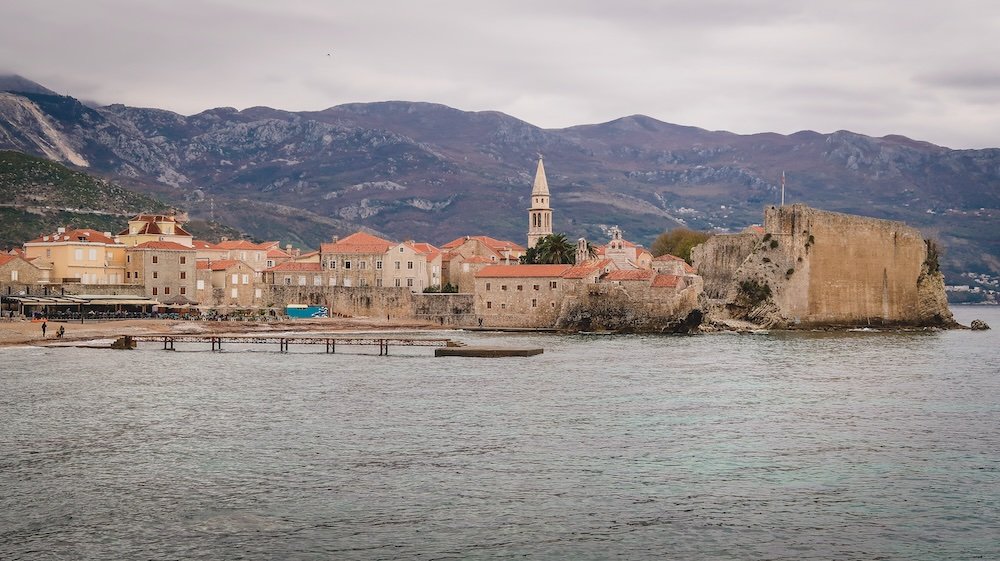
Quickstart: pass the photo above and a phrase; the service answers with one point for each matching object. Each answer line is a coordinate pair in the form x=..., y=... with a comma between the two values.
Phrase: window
x=156, y=259
x=128, y=258
x=503, y=305
x=317, y=280
x=378, y=265
x=363, y=282
x=246, y=279
x=465, y=267
x=553, y=285
x=13, y=276
x=235, y=293
x=520, y=287
x=155, y=274
x=397, y=282
x=535, y=287
x=378, y=282
x=487, y=286
x=409, y=264
x=270, y=263
x=362, y=265
x=396, y=265
x=78, y=255
x=183, y=290
x=489, y=305
x=347, y=282
x=92, y=254
x=302, y=280
x=128, y=275
x=235, y=279
x=347, y=264
x=154, y=291
x=503, y=287
x=200, y=285
x=401, y=249
x=333, y=263
x=48, y=253
x=333, y=281
x=166, y=290
x=288, y=280
x=534, y=303
x=409, y=283
x=184, y=275
x=256, y=292
x=183, y=260
x=243, y=256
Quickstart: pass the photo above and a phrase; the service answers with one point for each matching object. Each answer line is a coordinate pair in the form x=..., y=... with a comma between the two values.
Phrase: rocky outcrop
x=978, y=325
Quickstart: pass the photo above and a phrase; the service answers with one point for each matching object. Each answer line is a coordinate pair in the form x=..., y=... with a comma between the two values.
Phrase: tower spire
x=540, y=214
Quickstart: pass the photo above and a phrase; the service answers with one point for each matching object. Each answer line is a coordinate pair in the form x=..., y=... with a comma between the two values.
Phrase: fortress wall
x=361, y=301
x=445, y=309
x=848, y=269
x=719, y=257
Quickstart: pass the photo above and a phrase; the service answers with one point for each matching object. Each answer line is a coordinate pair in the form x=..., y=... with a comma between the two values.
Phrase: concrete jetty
x=487, y=352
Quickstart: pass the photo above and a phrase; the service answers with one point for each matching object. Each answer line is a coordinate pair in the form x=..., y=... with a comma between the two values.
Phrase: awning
x=125, y=302
x=44, y=300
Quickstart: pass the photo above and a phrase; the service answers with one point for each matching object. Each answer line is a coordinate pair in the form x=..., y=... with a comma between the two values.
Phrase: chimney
x=288, y=248
x=107, y=234
x=224, y=239
x=60, y=230
x=336, y=239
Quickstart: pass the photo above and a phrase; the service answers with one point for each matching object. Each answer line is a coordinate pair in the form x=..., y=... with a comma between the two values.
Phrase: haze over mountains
x=427, y=171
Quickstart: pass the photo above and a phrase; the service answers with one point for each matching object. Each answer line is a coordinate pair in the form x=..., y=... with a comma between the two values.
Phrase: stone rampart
x=445, y=309
x=719, y=257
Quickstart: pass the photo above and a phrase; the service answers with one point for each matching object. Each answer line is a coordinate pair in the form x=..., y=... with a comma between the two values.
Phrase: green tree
x=552, y=249
x=679, y=242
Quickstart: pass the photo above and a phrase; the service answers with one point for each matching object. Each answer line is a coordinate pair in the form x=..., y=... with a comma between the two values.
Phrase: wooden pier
x=283, y=342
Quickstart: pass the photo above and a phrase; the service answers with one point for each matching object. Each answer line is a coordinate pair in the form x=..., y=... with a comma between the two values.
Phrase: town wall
x=632, y=307
x=718, y=258
x=445, y=309
x=348, y=301
x=819, y=268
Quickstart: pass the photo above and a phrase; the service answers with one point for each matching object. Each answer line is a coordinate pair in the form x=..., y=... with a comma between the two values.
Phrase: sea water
x=849, y=445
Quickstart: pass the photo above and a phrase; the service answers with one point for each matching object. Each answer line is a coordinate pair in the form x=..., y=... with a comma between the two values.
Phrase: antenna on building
x=782, y=187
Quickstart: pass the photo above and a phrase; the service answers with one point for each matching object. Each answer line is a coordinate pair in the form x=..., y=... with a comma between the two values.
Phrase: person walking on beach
x=44, y=326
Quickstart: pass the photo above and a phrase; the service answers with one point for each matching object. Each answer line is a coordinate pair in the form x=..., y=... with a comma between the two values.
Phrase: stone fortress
x=805, y=268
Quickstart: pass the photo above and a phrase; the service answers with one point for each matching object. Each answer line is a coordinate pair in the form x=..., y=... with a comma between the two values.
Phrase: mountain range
x=413, y=170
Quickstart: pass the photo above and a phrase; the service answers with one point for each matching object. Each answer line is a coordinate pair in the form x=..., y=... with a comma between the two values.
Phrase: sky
x=929, y=70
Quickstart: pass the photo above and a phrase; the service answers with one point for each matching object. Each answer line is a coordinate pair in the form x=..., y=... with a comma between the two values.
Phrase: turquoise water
x=858, y=445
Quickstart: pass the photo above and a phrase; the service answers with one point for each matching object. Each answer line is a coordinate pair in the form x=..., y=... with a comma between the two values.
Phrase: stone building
x=166, y=269
x=464, y=257
x=227, y=284
x=80, y=255
x=15, y=269
x=406, y=265
x=519, y=295
x=356, y=260
x=671, y=265
x=253, y=254
x=291, y=273
x=626, y=254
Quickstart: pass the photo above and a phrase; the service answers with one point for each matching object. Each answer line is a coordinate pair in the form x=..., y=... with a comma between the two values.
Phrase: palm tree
x=555, y=249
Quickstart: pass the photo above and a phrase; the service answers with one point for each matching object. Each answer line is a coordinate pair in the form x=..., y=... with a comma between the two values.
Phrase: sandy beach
x=23, y=332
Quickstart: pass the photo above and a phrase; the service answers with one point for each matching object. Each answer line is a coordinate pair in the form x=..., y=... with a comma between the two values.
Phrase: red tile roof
x=7, y=258
x=151, y=227
x=666, y=281
x=585, y=269
x=492, y=243
x=223, y=264
x=629, y=275
x=295, y=266
x=245, y=245
x=174, y=246
x=277, y=253
x=666, y=258
x=84, y=235
x=426, y=249
x=358, y=242
x=522, y=271
x=203, y=264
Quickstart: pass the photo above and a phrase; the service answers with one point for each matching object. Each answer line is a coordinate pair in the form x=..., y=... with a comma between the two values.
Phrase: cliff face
x=817, y=268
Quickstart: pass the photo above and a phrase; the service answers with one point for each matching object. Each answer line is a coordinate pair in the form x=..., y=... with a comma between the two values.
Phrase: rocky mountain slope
x=420, y=170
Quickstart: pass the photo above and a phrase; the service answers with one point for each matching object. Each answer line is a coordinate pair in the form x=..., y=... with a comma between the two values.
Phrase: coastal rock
x=979, y=325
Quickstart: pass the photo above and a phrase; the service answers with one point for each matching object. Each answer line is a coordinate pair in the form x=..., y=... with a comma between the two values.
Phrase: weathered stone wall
x=514, y=302
x=445, y=309
x=596, y=307
x=818, y=268
x=353, y=301
x=719, y=257
x=70, y=289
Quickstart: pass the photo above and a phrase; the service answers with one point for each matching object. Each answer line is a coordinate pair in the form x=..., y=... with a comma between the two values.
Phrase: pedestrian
x=44, y=327
x=61, y=332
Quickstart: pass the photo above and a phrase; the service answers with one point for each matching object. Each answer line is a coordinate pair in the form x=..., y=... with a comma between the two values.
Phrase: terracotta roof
x=163, y=245
x=203, y=264
x=244, y=244
x=426, y=249
x=756, y=229
x=358, y=242
x=492, y=243
x=585, y=269
x=202, y=244
x=629, y=275
x=310, y=254
x=151, y=227
x=277, y=253
x=522, y=271
x=666, y=281
x=85, y=235
x=294, y=266
x=7, y=258
x=667, y=258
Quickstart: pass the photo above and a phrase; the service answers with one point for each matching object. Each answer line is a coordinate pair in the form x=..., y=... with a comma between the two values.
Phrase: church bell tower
x=539, y=215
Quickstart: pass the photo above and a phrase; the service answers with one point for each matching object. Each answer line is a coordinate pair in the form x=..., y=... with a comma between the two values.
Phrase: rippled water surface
x=780, y=446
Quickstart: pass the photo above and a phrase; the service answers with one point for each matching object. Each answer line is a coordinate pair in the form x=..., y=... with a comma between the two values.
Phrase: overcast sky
x=929, y=70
